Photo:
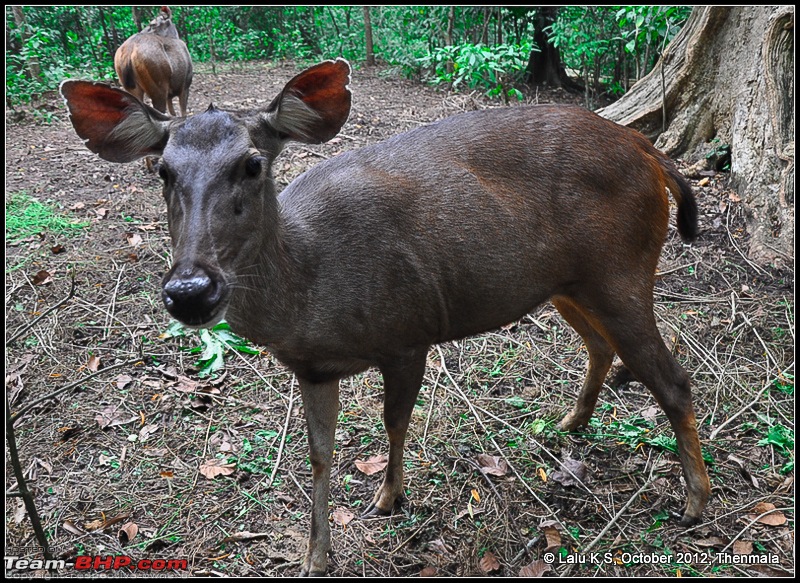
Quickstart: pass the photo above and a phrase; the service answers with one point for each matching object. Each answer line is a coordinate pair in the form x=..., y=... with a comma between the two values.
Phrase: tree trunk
x=34, y=68
x=544, y=65
x=729, y=77
x=368, y=38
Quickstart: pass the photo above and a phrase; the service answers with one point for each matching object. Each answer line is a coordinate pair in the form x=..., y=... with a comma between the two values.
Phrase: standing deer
x=157, y=63
x=373, y=256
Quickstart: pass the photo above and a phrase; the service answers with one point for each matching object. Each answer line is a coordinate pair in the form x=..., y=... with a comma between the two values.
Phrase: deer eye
x=254, y=165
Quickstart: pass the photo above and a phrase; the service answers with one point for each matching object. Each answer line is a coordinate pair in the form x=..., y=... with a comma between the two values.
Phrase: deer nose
x=192, y=295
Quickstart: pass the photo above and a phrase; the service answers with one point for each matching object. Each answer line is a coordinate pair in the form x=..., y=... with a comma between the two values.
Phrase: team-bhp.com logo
x=97, y=563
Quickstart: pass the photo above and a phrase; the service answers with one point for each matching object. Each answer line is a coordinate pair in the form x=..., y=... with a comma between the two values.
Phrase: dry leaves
x=491, y=464
x=342, y=517
x=573, y=472
x=373, y=465
x=771, y=515
x=127, y=532
x=536, y=568
x=213, y=468
x=489, y=563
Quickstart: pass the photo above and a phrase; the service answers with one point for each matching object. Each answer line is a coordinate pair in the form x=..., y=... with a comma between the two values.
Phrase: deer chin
x=200, y=321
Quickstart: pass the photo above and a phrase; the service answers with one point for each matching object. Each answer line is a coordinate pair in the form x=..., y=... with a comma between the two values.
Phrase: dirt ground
x=118, y=461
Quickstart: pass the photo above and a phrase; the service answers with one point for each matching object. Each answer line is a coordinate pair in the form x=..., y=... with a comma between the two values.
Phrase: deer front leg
x=402, y=381
x=321, y=403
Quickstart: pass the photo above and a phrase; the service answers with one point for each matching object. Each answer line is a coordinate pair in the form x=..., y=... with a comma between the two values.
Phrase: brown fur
x=156, y=63
x=371, y=257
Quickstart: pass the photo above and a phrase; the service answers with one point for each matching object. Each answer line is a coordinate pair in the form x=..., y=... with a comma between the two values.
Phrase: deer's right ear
x=313, y=105
x=114, y=124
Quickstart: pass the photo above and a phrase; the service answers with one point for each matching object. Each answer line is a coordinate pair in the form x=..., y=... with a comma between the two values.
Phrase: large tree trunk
x=729, y=77
x=544, y=65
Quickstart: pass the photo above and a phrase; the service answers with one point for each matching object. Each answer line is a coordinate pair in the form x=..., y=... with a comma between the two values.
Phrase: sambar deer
x=373, y=256
x=156, y=63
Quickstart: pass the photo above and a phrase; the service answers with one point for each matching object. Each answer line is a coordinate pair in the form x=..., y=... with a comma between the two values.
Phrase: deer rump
x=156, y=63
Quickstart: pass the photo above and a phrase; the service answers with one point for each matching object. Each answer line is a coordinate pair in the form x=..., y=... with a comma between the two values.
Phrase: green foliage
x=782, y=439
x=611, y=46
x=213, y=344
x=465, y=47
x=490, y=68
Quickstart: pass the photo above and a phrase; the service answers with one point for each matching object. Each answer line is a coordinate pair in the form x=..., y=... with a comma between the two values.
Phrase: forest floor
x=119, y=433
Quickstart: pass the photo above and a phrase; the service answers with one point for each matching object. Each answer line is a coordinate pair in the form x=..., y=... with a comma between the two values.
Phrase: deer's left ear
x=314, y=105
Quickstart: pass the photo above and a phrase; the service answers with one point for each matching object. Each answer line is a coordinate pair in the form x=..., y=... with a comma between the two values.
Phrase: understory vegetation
x=487, y=48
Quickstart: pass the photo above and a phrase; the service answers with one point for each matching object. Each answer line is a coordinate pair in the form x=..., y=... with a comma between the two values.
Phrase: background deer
x=373, y=256
x=157, y=63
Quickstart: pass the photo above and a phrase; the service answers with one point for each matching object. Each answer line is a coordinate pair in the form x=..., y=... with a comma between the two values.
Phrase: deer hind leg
x=630, y=328
x=402, y=382
x=601, y=355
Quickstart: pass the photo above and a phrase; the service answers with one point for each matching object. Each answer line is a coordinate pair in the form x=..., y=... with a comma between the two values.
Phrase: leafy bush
x=491, y=68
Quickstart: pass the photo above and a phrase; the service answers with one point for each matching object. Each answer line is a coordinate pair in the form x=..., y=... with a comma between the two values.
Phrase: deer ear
x=114, y=124
x=314, y=105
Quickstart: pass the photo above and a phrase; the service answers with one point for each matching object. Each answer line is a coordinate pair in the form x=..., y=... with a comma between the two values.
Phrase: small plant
x=782, y=439
x=213, y=344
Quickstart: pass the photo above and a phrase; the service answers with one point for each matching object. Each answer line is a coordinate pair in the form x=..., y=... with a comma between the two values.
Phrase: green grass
x=27, y=216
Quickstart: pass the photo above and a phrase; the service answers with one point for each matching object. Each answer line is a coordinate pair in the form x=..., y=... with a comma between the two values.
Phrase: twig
x=110, y=313
x=27, y=497
x=70, y=386
x=55, y=306
x=749, y=405
x=283, y=435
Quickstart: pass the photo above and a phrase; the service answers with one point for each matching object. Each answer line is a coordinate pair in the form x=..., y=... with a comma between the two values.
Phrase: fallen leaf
x=428, y=572
x=573, y=472
x=42, y=277
x=213, y=468
x=186, y=385
x=439, y=546
x=94, y=363
x=491, y=464
x=373, y=465
x=489, y=562
x=774, y=518
x=56, y=249
x=342, y=517
x=70, y=527
x=743, y=547
x=127, y=532
x=553, y=538
x=536, y=568
x=740, y=465
x=19, y=513
x=166, y=474
x=112, y=416
x=147, y=431
x=123, y=381
x=710, y=542
x=134, y=239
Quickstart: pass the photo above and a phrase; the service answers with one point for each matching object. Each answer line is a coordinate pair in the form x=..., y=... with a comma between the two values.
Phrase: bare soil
x=128, y=446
